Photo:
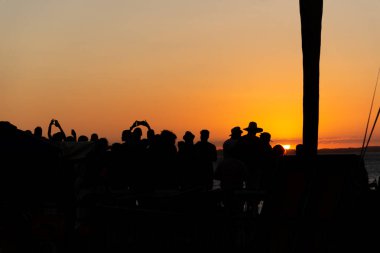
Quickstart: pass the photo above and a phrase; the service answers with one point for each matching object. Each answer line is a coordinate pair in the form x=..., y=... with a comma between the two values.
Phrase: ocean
x=371, y=160
x=372, y=164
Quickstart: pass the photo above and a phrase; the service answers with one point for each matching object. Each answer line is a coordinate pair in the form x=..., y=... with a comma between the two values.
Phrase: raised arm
x=49, y=129
x=74, y=134
x=133, y=125
x=146, y=124
x=60, y=129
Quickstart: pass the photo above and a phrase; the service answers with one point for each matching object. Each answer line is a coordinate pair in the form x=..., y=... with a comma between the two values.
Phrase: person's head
x=58, y=137
x=252, y=128
x=188, y=137
x=102, y=144
x=236, y=132
x=137, y=133
x=265, y=137
x=150, y=134
x=38, y=132
x=70, y=139
x=82, y=138
x=205, y=134
x=278, y=151
x=168, y=137
x=126, y=135
x=94, y=137
x=181, y=145
x=116, y=147
x=299, y=150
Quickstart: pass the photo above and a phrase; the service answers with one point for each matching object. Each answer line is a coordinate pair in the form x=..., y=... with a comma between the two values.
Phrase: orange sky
x=97, y=66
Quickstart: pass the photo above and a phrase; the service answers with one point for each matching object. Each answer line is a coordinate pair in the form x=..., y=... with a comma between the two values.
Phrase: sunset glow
x=286, y=147
x=97, y=66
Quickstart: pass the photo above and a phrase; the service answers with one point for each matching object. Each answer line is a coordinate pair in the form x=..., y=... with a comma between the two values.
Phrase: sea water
x=372, y=164
x=371, y=161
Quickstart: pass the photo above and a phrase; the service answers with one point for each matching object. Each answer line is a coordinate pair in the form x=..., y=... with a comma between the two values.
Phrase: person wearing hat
x=252, y=128
x=250, y=150
x=250, y=143
x=229, y=146
x=250, y=139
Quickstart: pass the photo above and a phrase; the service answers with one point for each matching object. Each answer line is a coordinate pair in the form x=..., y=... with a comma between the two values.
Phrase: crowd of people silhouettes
x=157, y=173
x=77, y=172
x=143, y=165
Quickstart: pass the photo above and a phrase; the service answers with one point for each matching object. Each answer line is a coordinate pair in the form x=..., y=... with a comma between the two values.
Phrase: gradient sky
x=97, y=66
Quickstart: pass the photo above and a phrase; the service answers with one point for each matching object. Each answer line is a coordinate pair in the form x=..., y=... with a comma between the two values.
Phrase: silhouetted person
x=150, y=134
x=265, y=139
x=70, y=139
x=230, y=148
x=117, y=179
x=28, y=179
x=271, y=172
x=250, y=150
x=189, y=138
x=74, y=134
x=275, y=179
x=136, y=135
x=166, y=166
x=125, y=159
x=126, y=135
x=82, y=138
x=186, y=157
x=232, y=174
x=299, y=150
x=137, y=162
x=265, y=168
x=58, y=136
x=278, y=151
x=98, y=163
x=28, y=132
x=38, y=132
x=205, y=156
x=94, y=137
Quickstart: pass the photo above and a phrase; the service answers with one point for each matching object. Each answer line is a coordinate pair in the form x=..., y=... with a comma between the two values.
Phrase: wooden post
x=311, y=26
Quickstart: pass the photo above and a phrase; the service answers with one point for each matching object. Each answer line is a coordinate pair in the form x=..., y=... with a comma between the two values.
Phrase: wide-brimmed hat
x=252, y=127
x=236, y=131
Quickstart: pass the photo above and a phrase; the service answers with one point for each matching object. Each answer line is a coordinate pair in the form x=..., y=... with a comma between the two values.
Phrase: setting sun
x=286, y=147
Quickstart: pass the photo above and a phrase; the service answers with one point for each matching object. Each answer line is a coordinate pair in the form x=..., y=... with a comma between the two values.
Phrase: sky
x=97, y=66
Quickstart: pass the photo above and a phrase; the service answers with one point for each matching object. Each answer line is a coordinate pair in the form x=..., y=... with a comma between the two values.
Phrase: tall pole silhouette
x=311, y=26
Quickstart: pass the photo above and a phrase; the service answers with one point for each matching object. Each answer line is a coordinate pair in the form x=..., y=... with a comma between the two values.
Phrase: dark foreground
x=318, y=205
